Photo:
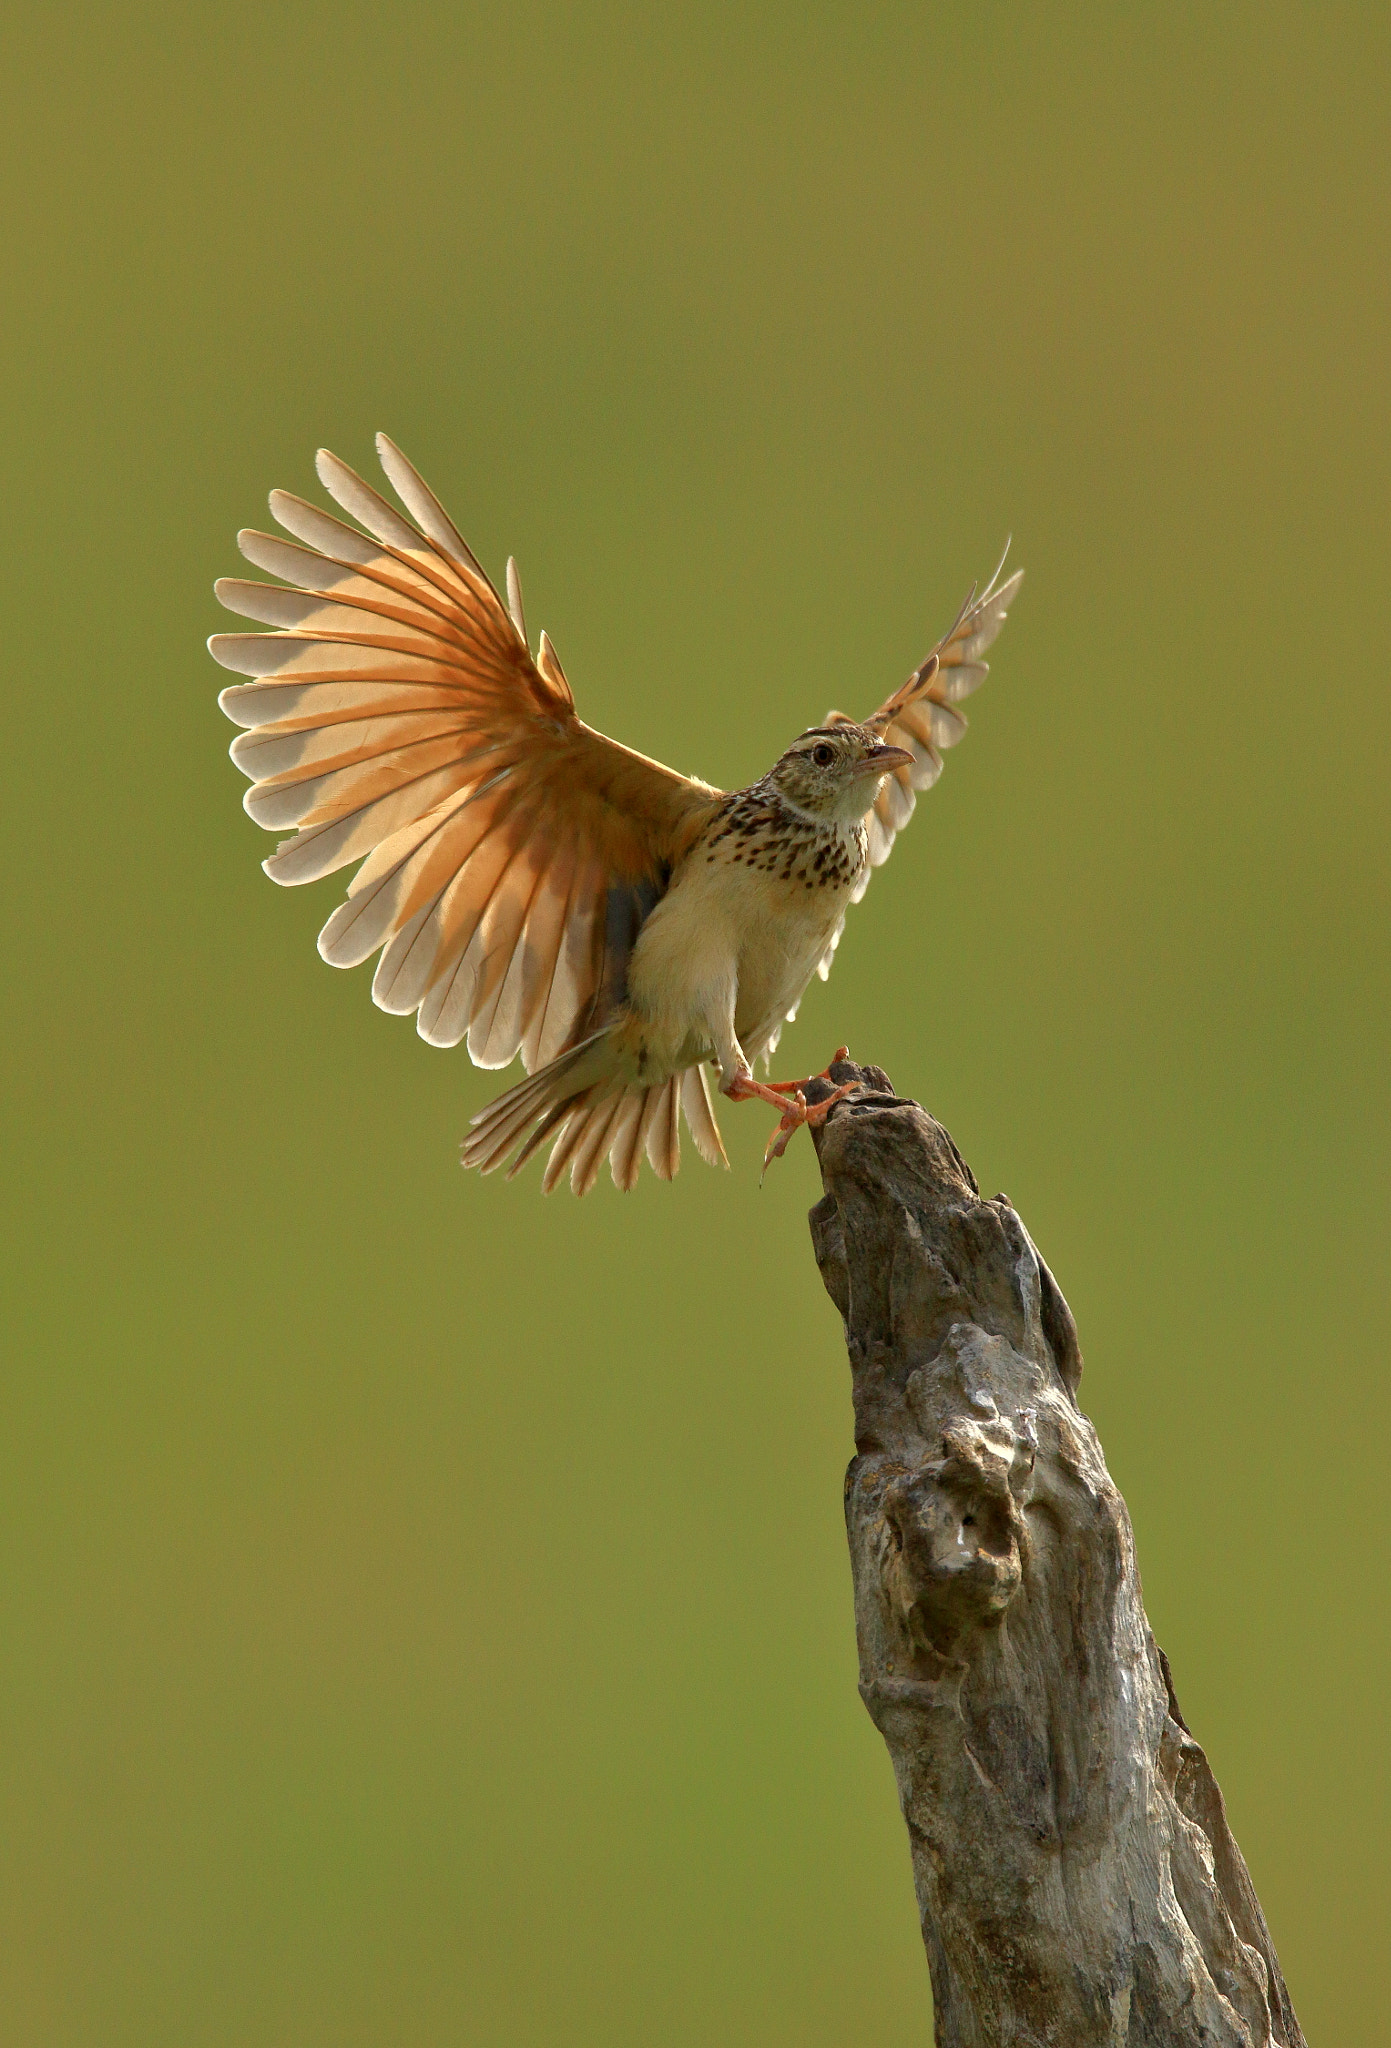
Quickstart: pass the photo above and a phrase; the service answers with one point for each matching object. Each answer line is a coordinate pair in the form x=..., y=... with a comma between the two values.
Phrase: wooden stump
x=1077, y=1881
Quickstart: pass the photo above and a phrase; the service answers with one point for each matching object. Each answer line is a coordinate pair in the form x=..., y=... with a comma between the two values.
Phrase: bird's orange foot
x=842, y=1052
x=796, y=1112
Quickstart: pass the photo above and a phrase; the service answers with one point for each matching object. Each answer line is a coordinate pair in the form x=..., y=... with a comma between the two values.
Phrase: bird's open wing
x=511, y=852
x=922, y=717
x=922, y=714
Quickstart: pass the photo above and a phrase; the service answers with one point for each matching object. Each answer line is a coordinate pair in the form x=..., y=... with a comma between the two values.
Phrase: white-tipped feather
x=310, y=659
x=927, y=764
x=541, y=942
x=318, y=850
x=551, y=987
x=625, y=1148
x=948, y=727
x=302, y=795
x=293, y=704
x=664, y=1133
x=422, y=777
x=398, y=986
x=595, y=1139
x=390, y=589
x=880, y=840
x=514, y=599
x=450, y=1002
x=397, y=626
x=895, y=803
x=921, y=717
x=571, y=971
x=964, y=677
x=495, y=1033
x=496, y=940
x=700, y=1116
x=307, y=750
x=571, y=1133
x=657, y=1105
x=345, y=552
x=424, y=507
x=370, y=509
x=333, y=537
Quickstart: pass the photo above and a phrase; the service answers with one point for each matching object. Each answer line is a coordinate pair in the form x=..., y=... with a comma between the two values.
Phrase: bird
x=529, y=885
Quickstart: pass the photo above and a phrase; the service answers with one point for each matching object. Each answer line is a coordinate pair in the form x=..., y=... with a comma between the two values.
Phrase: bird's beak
x=883, y=759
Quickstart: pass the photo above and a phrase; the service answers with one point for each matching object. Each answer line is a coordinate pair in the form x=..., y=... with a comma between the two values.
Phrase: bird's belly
x=726, y=928
x=776, y=964
x=783, y=937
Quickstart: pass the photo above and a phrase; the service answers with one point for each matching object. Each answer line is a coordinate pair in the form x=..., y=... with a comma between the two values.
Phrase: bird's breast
x=784, y=890
x=751, y=910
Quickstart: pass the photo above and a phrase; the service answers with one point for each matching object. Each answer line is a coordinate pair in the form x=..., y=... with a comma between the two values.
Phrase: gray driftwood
x=1076, y=1877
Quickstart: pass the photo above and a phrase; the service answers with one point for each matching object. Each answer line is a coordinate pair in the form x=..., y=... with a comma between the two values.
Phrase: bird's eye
x=823, y=755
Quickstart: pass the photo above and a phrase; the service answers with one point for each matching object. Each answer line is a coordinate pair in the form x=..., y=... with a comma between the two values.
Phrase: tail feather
x=592, y=1115
x=657, y=1133
x=700, y=1115
x=496, y=1137
x=625, y=1153
x=596, y=1143
x=572, y=1133
x=560, y=1081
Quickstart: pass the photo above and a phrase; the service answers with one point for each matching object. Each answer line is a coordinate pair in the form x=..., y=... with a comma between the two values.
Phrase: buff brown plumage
x=530, y=885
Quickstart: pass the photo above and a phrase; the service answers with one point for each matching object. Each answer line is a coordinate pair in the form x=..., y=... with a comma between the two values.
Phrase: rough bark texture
x=1077, y=1880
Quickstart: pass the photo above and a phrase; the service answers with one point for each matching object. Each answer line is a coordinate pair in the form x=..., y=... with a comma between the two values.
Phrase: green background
x=426, y=1616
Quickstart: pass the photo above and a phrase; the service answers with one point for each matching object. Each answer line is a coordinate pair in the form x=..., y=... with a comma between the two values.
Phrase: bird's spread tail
x=591, y=1114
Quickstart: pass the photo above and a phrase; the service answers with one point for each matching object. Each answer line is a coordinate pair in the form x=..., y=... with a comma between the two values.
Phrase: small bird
x=530, y=884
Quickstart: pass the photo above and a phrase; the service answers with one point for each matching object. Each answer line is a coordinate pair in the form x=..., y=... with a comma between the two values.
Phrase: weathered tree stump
x=1077, y=1880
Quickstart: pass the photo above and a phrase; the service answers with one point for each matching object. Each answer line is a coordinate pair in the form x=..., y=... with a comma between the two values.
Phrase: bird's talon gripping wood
x=529, y=885
x=797, y=1113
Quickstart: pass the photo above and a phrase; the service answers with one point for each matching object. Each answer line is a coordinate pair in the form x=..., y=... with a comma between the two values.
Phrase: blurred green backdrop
x=426, y=1611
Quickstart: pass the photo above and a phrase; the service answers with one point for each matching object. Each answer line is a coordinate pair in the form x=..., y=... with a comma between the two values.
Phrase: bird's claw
x=797, y=1113
x=742, y=1087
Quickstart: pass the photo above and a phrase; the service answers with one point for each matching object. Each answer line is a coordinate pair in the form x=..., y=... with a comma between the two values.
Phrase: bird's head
x=833, y=772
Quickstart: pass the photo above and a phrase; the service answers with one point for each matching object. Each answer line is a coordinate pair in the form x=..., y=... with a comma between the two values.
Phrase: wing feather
x=922, y=717
x=572, y=973
x=290, y=706
x=499, y=935
x=541, y=945
x=403, y=972
x=394, y=715
x=319, y=575
x=409, y=629
x=424, y=507
x=459, y=985
x=495, y=1035
x=320, y=848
